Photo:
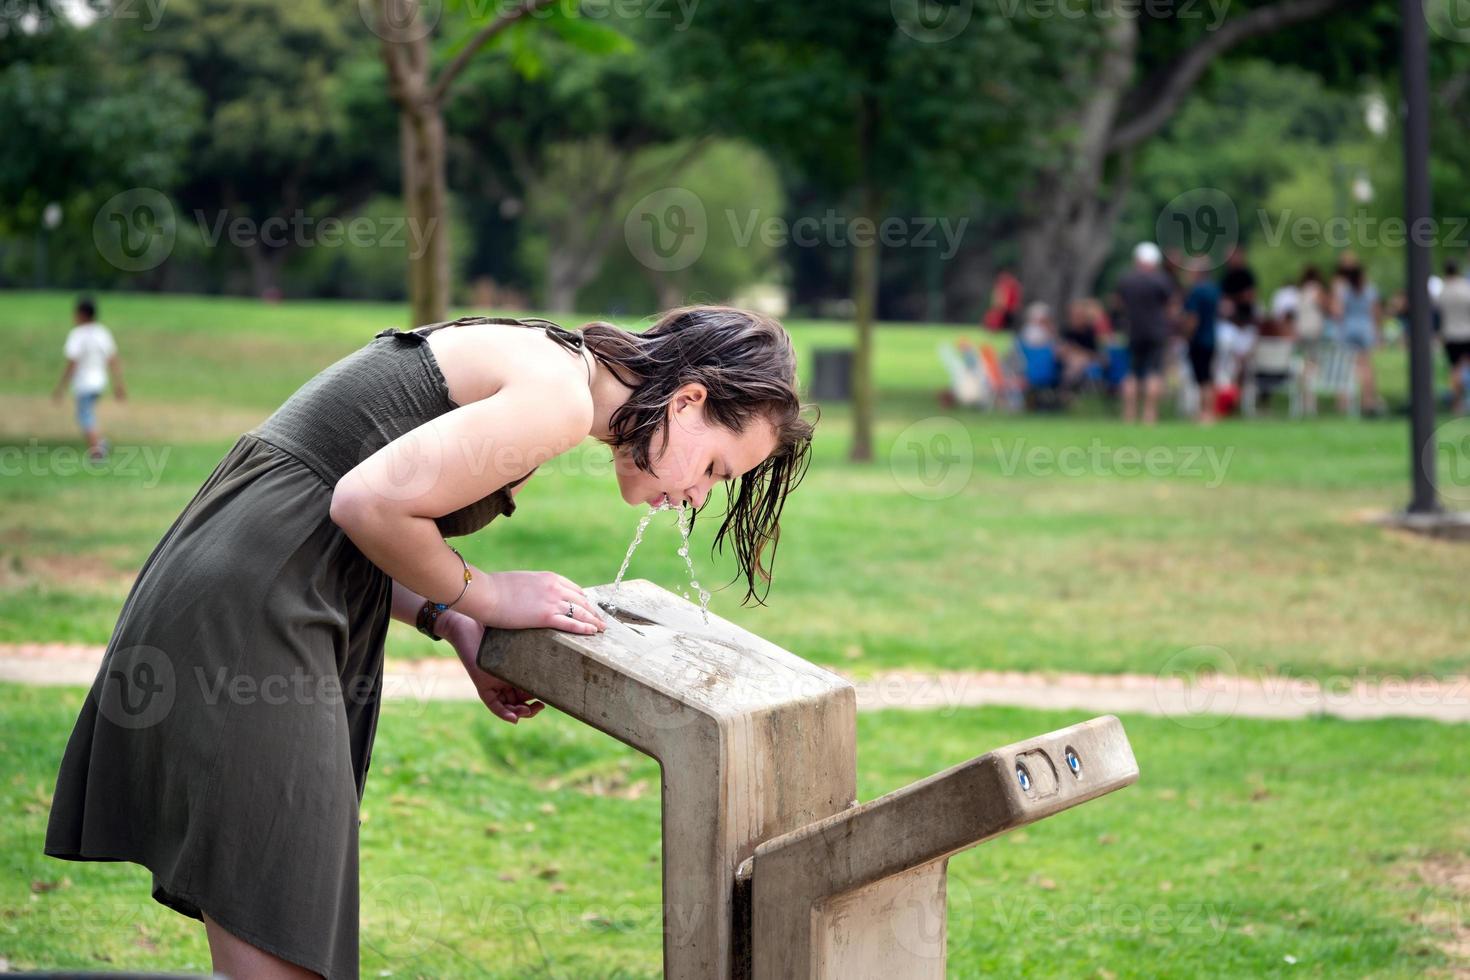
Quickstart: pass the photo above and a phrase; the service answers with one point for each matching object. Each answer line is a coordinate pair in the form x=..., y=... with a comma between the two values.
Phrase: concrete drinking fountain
x=771, y=867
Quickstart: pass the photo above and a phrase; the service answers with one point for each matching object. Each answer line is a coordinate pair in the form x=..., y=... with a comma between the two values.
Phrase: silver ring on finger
x=571, y=610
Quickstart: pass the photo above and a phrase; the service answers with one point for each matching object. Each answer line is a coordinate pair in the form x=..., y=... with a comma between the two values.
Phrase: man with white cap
x=1147, y=297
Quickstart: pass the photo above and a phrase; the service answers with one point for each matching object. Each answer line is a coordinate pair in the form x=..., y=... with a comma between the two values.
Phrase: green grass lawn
x=492, y=851
x=974, y=541
x=1319, y=848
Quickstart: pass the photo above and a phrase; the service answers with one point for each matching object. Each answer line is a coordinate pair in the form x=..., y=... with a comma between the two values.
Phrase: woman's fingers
x=575, y=613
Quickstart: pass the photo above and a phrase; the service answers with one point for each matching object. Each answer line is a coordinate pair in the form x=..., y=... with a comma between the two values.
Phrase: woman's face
x=699, y=455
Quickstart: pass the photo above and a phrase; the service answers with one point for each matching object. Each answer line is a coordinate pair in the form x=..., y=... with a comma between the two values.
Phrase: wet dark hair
x=747, y=364
x=86, y=308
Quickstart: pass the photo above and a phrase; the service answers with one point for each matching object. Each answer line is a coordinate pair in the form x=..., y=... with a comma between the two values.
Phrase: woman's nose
x=696, y=496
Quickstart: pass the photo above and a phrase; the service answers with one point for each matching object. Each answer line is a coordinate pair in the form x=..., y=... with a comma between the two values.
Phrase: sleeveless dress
x=225, y=742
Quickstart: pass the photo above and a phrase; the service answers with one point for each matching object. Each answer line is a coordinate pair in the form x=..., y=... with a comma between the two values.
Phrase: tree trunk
x=424, y=195
x=1071, y=211
x=865, y=303
x=1067, y=231
x=421, y=100
x=671, y=291
x=265, y=269
x=562, y=282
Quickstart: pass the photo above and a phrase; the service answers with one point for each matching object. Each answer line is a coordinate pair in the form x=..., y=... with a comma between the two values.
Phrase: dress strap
x=572, y=340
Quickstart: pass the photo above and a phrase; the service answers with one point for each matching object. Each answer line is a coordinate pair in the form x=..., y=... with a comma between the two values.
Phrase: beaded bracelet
x=430, y=610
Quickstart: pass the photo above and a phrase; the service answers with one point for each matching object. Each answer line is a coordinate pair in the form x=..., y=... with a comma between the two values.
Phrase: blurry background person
x=91, y=355
x=1201, y=308
x=1146, y=296
x=1239, y=286
x=1005, y=301
x=1453, y=303
x=1359, y=315
x=1038, y=330
x=1080, y=342
x=1285, y=302
x=1311, y=325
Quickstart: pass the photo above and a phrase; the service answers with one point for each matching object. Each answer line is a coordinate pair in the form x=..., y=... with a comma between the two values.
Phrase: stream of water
x=684, y=527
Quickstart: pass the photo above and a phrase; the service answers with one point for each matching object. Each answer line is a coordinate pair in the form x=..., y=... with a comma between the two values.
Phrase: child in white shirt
x=91, y=354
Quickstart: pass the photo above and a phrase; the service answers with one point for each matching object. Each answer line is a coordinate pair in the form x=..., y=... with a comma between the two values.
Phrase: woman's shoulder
x=480, y=360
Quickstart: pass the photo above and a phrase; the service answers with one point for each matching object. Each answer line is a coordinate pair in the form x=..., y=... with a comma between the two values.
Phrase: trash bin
x=831, y=374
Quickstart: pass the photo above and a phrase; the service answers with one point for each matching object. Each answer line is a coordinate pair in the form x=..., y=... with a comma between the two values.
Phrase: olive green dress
x=225, y=742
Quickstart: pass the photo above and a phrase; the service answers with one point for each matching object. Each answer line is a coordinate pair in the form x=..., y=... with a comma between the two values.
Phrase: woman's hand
x=504, y=700
x=527, y=600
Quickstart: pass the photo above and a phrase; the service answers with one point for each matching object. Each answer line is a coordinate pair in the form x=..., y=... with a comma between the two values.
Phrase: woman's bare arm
x=387, y=503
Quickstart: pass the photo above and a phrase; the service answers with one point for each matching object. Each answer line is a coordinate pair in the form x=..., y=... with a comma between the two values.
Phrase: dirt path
x=1203, y=704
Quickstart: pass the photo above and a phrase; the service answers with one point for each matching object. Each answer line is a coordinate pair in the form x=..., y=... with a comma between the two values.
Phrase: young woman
x=1359, y=317
x=225, y=742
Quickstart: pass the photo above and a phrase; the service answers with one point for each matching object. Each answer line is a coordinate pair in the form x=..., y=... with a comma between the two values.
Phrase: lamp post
x=1414, y=63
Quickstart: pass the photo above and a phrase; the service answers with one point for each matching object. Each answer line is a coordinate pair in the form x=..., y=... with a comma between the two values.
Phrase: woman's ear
x=691, y=395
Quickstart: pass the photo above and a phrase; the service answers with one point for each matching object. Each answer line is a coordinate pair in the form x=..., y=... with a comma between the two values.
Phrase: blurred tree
x=79, y=125
x=554, y=139
x=874, y=101
x=740, y=191
x=405, y=27
x=1263, y=134
x=278, y=154
x=1148, y=65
